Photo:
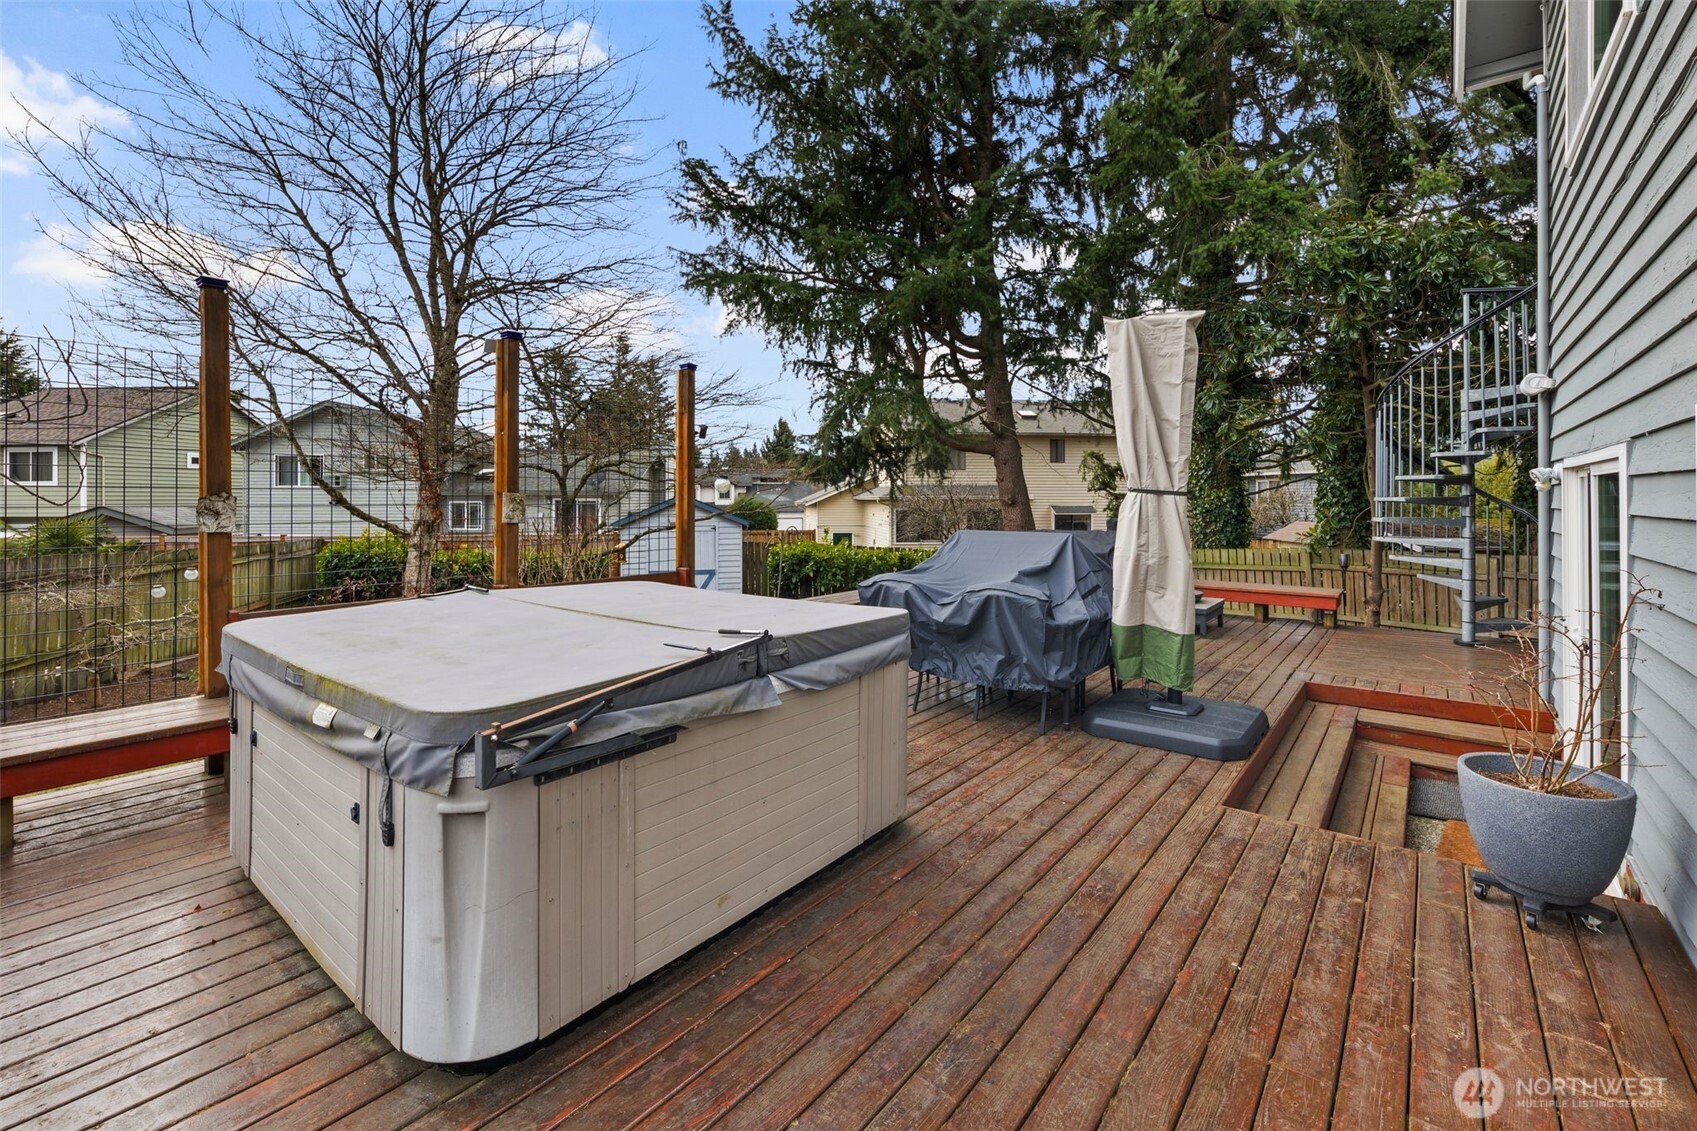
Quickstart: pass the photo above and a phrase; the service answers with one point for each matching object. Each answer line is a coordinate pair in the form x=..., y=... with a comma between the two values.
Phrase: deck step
x=1500, y=432
x=1444, y=477
x=1422, y=500
x=1453, y=522
x=1413, y=540
x=1483, y=602
x=1501, y=624
x=1301, y=781
x=1462, y=455
x=1490, y=394
x=1431, y=561
x=1447, y=582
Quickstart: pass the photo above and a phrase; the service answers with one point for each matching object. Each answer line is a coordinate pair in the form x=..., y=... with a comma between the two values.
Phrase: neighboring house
x=361, y=453
x=650, y=541
x=1297, y=486
x=782, y=491
x=1051, y=444
x=174, y=524
x=72, y=450
x=1622, y=352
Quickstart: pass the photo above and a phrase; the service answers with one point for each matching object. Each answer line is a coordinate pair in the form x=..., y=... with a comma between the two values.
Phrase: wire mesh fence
x=100, y=476
x=339, y=490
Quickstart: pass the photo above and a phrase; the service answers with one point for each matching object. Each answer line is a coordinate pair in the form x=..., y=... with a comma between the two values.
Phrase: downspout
x=1539, y=84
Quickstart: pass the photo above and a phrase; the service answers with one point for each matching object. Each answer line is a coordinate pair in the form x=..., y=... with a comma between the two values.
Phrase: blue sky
x=668, y=55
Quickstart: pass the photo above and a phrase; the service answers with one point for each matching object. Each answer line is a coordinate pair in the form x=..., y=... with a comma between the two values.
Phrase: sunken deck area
x=1064, y=932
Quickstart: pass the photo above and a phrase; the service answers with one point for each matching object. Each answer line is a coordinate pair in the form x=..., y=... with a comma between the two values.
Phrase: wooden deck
x=1064, y=932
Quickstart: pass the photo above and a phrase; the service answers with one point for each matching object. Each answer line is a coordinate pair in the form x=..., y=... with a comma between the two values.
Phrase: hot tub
x=484, y=813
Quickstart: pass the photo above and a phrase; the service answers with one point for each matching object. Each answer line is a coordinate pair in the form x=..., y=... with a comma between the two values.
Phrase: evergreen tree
x=18, y=377
x=780, y=448
x=899, y=226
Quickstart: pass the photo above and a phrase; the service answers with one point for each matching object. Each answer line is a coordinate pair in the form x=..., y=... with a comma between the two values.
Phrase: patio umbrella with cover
x=1152, y=376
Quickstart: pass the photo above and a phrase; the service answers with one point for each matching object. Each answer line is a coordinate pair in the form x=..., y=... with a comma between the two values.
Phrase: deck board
x=1064, y=931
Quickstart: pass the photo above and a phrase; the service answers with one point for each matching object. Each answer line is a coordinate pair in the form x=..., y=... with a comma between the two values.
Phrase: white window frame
x=1576, y=572
x=303, y=478
x=53, y=454
x=191, y=460
x=465, y=527
x=1582, y=35
x=1057, y=444
x=572, y=524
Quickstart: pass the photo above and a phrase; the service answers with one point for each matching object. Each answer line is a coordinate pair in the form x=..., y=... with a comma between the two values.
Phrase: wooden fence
x=74, y=622
x=1408, y=602
x=756, y=545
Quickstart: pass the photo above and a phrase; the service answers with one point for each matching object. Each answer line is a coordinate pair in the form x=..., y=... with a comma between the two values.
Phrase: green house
x=111, y=450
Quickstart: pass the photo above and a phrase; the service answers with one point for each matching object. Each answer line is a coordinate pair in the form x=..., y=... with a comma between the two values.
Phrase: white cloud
x=520, y=50
x=62, y=255
x=46, y=257
x=29, y=88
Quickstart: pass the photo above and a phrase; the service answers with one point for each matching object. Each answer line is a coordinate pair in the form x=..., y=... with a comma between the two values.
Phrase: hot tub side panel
x=587, y=899
x=883, y=748
x=469, y=936
x=307, y=850
x=738, y=811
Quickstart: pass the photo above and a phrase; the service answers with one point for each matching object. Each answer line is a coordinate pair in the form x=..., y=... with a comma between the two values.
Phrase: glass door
x=1594, y=534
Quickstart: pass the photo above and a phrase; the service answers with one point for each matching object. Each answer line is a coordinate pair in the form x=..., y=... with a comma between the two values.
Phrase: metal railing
x=1450, y=409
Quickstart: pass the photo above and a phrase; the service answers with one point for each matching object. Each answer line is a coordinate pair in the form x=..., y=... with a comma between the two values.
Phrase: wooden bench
x=50, y=753
x=1263, y=596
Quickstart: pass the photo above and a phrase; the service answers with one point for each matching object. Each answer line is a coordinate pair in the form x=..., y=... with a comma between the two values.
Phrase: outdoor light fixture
x=1534, y=383
x=1544, y=478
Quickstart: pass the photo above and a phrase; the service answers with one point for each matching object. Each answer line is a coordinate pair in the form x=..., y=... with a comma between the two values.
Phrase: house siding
x=1051, y=484
x=143, y=463
x=302, y=512
x=1623, y=316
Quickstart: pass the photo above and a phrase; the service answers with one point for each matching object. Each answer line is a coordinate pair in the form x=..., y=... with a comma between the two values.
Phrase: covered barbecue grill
x=1011, y=610
x=484, y=813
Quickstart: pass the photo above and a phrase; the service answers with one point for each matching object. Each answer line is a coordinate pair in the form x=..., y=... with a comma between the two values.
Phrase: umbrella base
x=1225, y=732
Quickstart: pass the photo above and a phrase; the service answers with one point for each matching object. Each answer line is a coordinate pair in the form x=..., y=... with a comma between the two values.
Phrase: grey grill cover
x=1021, y=611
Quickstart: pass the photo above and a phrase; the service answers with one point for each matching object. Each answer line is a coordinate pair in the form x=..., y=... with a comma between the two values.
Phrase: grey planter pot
x=1557, y=850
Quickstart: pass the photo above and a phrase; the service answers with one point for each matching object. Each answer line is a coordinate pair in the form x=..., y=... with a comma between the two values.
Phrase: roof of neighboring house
x=363, y=413
x=701, y=508
x=1032, y=418
x=881, y=493
x=61, y=414
x=1293, y=532
x=1301, y=469
x=160, y=520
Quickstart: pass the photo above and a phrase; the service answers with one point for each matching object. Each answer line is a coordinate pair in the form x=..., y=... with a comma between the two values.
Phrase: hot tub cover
x=1017, y=610
x=404, y=686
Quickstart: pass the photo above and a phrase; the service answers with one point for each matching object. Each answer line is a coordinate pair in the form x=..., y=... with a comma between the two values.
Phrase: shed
x=649, y=536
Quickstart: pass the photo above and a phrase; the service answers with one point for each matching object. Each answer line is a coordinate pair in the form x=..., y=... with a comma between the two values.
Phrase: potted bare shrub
x=1550, y=824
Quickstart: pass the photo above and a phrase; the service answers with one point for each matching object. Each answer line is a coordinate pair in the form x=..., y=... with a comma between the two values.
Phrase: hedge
x=813, y=569
x=370, y=567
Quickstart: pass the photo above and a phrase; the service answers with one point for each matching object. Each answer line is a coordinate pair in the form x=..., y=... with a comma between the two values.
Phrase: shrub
x=812, y=569
x=757, y=512
x=62, y=536
x=369, y=567
x=361, y=569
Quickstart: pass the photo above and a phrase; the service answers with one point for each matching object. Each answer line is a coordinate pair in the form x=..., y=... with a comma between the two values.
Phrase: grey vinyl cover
x=1016, y=610
x=411, y=682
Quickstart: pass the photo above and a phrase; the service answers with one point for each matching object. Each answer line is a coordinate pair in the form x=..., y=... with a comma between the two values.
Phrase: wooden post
x=217, y=511
x=509, y=502
x=683, y=492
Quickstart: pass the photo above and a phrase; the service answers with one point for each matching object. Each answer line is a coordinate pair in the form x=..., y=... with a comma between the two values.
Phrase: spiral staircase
x=1441, y=418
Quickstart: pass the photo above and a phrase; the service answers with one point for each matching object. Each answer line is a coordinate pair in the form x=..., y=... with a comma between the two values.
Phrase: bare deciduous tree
x=394, y=183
